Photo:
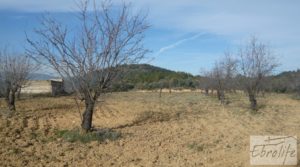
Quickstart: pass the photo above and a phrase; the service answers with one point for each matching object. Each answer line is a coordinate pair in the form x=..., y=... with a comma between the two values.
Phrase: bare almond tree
x=91, y=57
x=256, y=63
x=223, y=75
x=14, y=73
x=218, y=77
x=205, y=81
x=229, y=65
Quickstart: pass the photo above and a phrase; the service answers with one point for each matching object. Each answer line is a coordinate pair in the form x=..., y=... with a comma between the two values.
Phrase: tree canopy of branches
x=204, y=81
x=229, y=65
x=222, y=77
x=14, y=73
x=256, y=63
x=108, y=37
x=250, y=71
x=218, y=77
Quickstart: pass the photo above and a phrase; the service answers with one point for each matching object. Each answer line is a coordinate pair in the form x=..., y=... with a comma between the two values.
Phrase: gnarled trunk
x=87, y=116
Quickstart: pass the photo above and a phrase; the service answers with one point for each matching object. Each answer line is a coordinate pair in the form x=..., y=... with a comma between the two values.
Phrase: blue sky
x=186, y=35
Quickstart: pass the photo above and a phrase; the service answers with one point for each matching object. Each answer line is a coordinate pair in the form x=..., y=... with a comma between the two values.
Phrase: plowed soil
x=178, y=129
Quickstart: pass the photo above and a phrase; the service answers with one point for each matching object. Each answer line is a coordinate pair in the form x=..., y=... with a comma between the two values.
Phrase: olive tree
x=256, y=63
x=90, y=56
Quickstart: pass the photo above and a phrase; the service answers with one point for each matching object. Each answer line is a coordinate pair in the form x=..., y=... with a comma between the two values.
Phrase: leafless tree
x=90, y=58
x=218, y=76
x=256, y=62
x=229, y=65
x=222, y=76
x=14, y=73
x=205, y=81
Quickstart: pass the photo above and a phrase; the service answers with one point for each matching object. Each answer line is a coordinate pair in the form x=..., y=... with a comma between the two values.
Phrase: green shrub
x=76, y=135
x=196, y=147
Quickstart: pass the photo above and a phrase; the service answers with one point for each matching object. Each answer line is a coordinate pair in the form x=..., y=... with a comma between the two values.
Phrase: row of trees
x=247, y=70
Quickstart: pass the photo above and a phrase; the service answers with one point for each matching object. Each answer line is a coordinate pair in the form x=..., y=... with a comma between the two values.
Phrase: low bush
x=76, y=135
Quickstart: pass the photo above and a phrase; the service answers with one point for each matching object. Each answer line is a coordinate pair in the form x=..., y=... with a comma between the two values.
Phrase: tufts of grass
x=33, y=135
x=296, y=96
x=196, y=147
x=77, y=136
x=16, y=151
x=38, y=95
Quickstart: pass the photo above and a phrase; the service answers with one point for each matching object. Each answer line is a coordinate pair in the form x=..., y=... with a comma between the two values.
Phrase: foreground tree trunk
x=87, y=116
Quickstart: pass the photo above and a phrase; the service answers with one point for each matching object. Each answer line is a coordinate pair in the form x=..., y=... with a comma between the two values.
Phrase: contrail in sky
x=174, y=45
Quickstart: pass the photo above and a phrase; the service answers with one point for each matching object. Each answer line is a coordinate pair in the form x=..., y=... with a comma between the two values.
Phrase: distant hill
x=288, y=81
x=145, y=76
x=145, y=73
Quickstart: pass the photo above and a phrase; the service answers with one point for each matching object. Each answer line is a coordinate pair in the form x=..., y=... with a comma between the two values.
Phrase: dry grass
x=179, y=129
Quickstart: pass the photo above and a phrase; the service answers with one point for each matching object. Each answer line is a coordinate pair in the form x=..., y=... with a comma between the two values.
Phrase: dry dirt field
x=178, y=129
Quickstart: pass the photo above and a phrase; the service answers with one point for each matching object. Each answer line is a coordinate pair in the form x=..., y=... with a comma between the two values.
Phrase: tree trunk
x=222, y=97
x=234, y=91
x=219, y=94
x=10, y=100
x=19, y=94
x=206, y=91
x=253, y=102
x=160, y=90
x=87, y=116
x=263, y=93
